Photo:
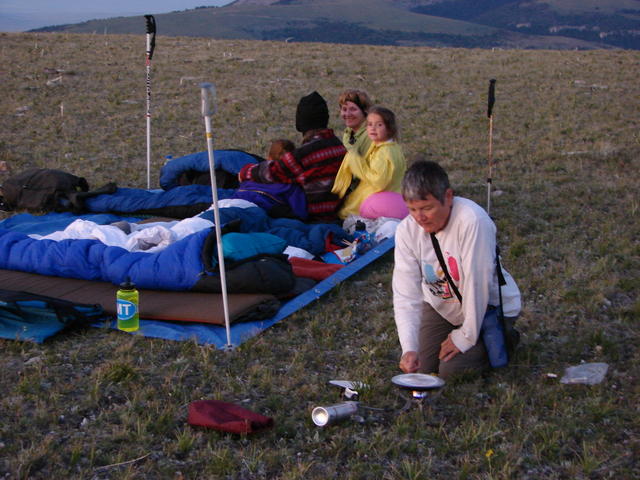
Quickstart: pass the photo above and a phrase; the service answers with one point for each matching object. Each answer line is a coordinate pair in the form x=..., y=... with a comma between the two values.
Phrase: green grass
x=381, y=22
x=103, y=404
x=254, y=21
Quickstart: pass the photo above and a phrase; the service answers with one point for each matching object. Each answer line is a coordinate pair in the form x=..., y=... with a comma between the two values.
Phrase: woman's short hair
x=359, y=97
x=424, y=178
x=388, y=117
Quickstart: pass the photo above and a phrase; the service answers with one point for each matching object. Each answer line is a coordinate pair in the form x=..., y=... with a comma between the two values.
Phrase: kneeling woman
x=377, y=176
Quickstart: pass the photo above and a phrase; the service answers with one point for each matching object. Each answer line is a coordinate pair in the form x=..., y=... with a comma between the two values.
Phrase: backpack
x=32, y=317
x=43, y=189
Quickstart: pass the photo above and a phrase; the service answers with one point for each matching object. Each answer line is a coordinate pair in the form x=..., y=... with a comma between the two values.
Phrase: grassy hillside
x=592, y=6
x=613, y=22
x=375, y=22
x=104, y=404
x=247, y=21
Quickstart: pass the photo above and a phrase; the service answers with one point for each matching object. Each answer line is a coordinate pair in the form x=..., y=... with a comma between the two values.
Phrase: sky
x=22, y=15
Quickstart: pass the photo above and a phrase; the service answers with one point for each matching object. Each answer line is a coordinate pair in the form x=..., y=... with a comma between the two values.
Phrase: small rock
x=33, y=361
x=54, y=81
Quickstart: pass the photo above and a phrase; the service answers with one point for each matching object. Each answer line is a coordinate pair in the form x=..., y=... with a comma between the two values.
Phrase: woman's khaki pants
x=434, y=330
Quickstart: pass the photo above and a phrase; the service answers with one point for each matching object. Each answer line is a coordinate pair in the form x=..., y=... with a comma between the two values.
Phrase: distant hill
x=551, y=24
x=613, y=22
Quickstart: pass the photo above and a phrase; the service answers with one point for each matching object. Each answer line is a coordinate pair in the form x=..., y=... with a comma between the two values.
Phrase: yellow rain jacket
x=362, y=142
x=381, y=170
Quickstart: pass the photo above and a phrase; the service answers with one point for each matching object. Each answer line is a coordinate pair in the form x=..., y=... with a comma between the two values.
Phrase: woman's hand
x=448, y=350
x=409, y=362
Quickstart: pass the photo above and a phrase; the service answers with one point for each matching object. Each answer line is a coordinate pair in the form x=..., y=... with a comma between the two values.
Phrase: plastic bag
x=587, y=373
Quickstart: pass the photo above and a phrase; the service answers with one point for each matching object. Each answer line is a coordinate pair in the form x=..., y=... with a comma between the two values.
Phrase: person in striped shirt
x=313, y=165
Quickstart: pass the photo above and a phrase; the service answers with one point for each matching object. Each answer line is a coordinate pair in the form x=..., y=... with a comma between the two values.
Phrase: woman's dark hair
x=424, y=178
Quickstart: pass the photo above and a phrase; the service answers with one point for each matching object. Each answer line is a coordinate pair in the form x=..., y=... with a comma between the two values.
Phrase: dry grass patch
x=85, y=404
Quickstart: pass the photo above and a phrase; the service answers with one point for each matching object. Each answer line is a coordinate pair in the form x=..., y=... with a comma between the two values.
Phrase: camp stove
x=419, y=384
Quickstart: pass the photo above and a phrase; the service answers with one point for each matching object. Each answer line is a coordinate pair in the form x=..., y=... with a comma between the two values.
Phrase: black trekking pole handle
x=151, y=30
x=491, y=101
x=492, y=97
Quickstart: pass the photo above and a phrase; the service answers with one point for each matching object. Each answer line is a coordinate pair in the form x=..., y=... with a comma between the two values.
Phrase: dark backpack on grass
x=43, y=190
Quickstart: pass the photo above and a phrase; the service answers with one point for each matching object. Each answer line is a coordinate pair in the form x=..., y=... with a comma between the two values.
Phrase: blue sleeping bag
x=175, y=268
x=308, y=236
x=181, y=266
x=230, y=161
x=130, y=200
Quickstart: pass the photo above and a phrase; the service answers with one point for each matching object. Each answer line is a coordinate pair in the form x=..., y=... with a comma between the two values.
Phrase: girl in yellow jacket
x=377, y=176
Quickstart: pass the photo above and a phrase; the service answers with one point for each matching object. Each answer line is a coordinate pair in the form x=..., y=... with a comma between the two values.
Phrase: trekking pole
x=208, y=98
x=492, y=100
x=151, y=45
x=499, y=272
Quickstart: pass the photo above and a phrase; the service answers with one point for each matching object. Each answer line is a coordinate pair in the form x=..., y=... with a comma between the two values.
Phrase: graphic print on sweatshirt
x=436, y=279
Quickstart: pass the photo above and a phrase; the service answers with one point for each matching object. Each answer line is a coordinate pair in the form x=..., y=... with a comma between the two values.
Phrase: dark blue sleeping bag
x=175, y=268
x=183, y=265
x=230, y=161
x=308, y=236
x=134, y=200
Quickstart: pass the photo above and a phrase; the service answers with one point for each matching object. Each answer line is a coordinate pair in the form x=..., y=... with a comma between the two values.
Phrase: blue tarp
x=204, y=333
x=241, y=332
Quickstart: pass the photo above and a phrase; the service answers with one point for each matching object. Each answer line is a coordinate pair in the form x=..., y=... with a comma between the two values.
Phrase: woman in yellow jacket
x=377, y=176
x=353, y=111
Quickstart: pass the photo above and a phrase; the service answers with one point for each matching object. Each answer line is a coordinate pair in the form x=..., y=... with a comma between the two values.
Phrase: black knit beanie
x=312, y=113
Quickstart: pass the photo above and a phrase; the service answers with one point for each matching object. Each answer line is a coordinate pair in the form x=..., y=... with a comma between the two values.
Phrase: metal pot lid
x=417, y=381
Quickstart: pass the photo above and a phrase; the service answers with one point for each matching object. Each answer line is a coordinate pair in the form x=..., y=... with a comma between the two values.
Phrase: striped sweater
x=313, y=166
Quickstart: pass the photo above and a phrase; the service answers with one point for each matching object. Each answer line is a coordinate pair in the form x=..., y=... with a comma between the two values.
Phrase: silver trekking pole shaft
x=151, y=44
x=208, y=102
